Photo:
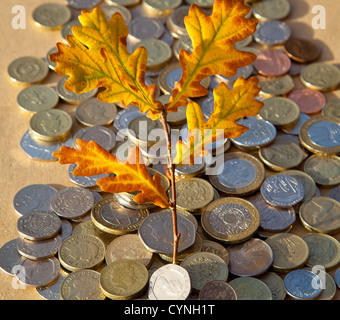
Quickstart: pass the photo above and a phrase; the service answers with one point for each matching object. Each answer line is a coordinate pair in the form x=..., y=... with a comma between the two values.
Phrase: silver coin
x=296, y=128
x=66, y=229
x=337, y=277
x=51, y=15
x=42, y=150
x=122, y=120
x=82, y=4
x=145, y=28
x=275, y=284
x=51, y=64
x=282, y=191
x=9, y=257
x=67, y=28
x=52, y=292
x=72, y=202
x=33, y=197
x=113, y=8
x=334, y=193
x=325, y=134
x=245, y=72
x=272, y=32
x=250, y=288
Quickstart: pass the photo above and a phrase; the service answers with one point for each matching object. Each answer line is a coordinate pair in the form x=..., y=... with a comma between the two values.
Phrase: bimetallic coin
x=302, y=284
x=302, y=50
x=52, y=292
x=332, y=108
x=51, y=15
x=272, y=63
x=217, y=290
x=204, y=267
x=28, y=70
x=275, y=284
x=82, y=4
x=81, y=251
x=282, y=191
x=124, y=279
x=249, y=288
x=231, y=220
x=277, y=86
x=271, y=10
x=272, y=33
x=38, y=225
x=37, y=98
x=321, y=214
x=72, y=202
x=9, y=257
x=310, y=101
x=327, y=284
x=289, y=250
x=81, y=285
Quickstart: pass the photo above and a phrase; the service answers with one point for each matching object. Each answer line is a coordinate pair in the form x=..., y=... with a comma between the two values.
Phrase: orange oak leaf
x=131, y=175
x=229, y=106
x=213, y=38
x=97, y=56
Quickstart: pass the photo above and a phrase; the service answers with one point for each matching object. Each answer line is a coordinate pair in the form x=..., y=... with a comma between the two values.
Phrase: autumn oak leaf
x=130, y=176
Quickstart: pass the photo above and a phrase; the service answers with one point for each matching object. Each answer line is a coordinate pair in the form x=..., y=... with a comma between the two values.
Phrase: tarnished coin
x=204, y=267
x=332, y=108
x=272, y=63
x=81, y=251
x=156, y=232
x=231, y=220
x=81, y=285
x=51, y=15
x=217, y=290
x=289, y=250
x=250, y=258
x=38, y=225
x=124, y=279
x=334, y=193
x=310, y=101
x=272, y=33
x=37, y=273
x=9, y=257
x=249, y=288
x=28, y=70
x=271, y=10
x=216, y=248
x=240, y=174
x=275, y=284
x=302, y=284
x=33, y=197
x=82, y=4
x=321, y=214
x=323, y=250
x=72, y=202
x=277, y=86
x=302, y=50
x=282, y=191
x=128, y=246
x=337, y=277
x=169, y=282
x=52, y=292
x=295, y=129
x=37, y=98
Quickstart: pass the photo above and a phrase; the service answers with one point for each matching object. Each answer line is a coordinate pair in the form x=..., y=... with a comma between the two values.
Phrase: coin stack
x=237, y=225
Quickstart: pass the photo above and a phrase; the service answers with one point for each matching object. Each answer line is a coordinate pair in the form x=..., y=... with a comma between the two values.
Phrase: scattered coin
x=52, y=292
x=216, y=248
x=51, y=15
x=275, y=284
x=271, y=87
x=332, y=108
x=272, y=63
x=271, y=10
x=217, y=290
x=175, y=22
x=334, y=193
x=272, y=32
x=9, y=257
x=310, y=101
x=250, y=288
x=302, y=50
x=82, y=4
x=337, y=277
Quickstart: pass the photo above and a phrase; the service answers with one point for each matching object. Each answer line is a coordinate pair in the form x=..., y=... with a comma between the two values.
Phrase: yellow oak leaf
x=130, y=175
x=213, y=38
x=229, y=106
x=97, y=56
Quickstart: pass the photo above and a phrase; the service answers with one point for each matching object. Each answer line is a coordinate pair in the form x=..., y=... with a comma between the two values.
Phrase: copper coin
x=309, y=101
x=272, y=63
x=302, y=50
x=217, y=290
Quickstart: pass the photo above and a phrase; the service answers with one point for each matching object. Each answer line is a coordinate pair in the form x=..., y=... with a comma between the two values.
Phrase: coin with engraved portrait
x=250, y=288
x=217, y=290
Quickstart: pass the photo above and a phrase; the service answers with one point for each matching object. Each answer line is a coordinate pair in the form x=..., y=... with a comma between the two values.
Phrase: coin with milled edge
x=217, y=290
x=272, y=63
x=302, y=50
x=275, y=284
x=272, y=32
x=249, y=288
x=52, y=292
x=175, y=22
x=277, y=86
x=9, y=257
x=82, y=4
x=51, y=15
x=310, y=101
x=271, y=10
x=332, y=108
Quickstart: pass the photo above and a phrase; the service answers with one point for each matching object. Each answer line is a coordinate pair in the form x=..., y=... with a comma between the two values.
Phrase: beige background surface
x=17, y=170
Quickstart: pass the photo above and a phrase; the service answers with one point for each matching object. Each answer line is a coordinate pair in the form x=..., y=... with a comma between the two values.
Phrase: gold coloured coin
x=124, y=279
x=332, y=108
x=275, y=86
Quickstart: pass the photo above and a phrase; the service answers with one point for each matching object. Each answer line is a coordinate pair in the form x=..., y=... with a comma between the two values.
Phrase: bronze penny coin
x=217, y=290
x=302, y=50
x=272, y=63
x=309, y=101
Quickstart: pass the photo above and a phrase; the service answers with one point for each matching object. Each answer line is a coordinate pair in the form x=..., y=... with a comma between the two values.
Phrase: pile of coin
x=235, y=224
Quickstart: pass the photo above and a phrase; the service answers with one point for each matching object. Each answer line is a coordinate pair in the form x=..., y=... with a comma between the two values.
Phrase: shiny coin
x=41, y=249
x=321, y=76
x=332, y=108
x=175, y=22
x=51, y=64
x=249, y=288
x=123, y=118
x=272, y=33
x=124, y=279
x=280, y=111
x=260, y=134
x=143, y=28
x=38, y=225
x=33, y=197
x=302, y=50
x=81, y=285
x=160, y=9
x=125, y=3
x=277, y=86
x=275, y=284
x=216, y=248
x=113, y=8
x=321, y=214
x=334, y=193
x=110, y=217
x=37, y=273
x=302, y=284
x=240, y=174
x=51, y=125
x=52, y=292
x=231, y=220
x=93, y=112
x=156, y=232
x=72, y=202
x=250, y=258
x=37, y=98
x=244, y=72
x=337, y=277
x=201, y=3
x=169, y=282
x=28, y=70
x=51, y=15
x=67, y=29
x=81, y=251
x=182, y=43
x=70, y=96
x=272, y=63
x=321, y=134
x=309, y=101
x=9, y=257
x=128, y=246
x=325, y=170
x=217, y=290
x=329, y=287
x=66, y=229
x=271, y=10
x=295, y=129
x=290, y=251
x=82, y=4
x=323, y=250
x=204, y=267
